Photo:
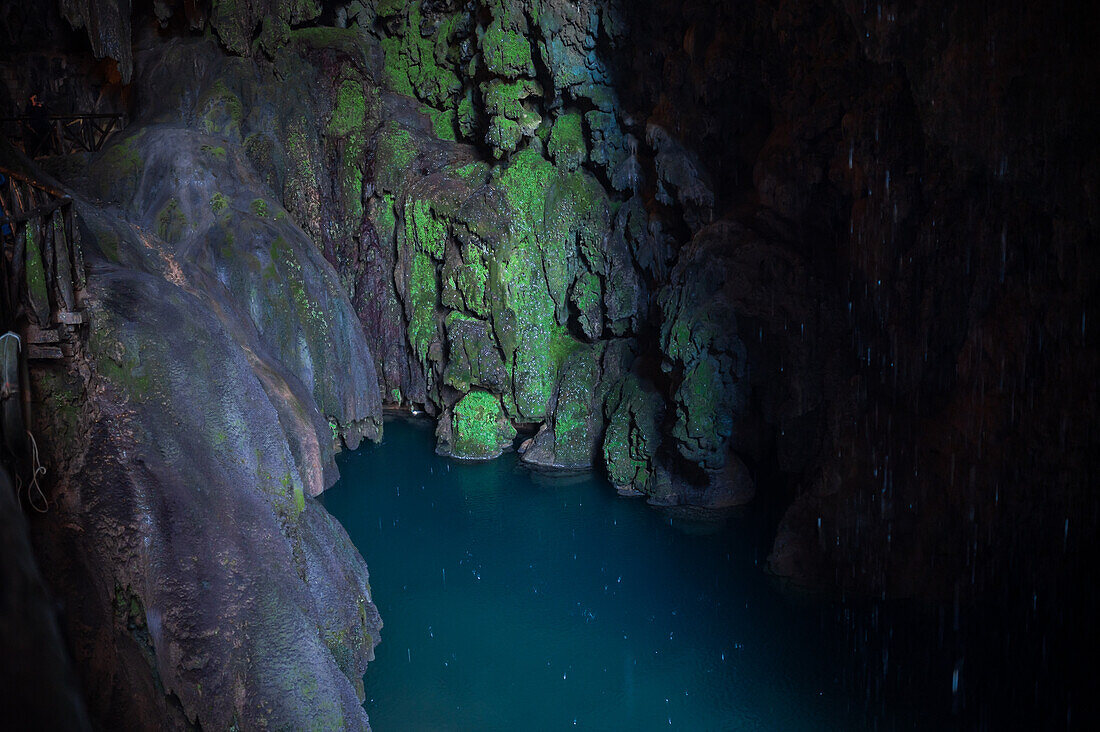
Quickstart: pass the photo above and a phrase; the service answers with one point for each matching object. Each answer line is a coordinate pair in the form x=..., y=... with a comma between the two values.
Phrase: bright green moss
x=587, y=295
x=218, y=202
x=393, y=155
x=466, y=115
x=567, y=141
x=424, y=294
x=525, y=182
x=443, y=123
x=468, y=282
x=506, y=52
x=384, y=217
x=349, y=112
x=259, y=208
x=412, y=68
x=532, y=280
x=218, y=153
x=479, y=427
x=503, y=98
x=510, y=119
x=395, y=68
x=474, y=173
x=533, y=340
x=423, y=229
x=575, y=422
x=503, y=135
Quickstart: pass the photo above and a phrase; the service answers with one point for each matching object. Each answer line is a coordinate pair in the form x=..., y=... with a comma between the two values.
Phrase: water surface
x=515, y=601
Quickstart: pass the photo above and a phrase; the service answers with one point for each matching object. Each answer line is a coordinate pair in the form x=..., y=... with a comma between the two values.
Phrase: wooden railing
x=62, y=134
x=42, y=269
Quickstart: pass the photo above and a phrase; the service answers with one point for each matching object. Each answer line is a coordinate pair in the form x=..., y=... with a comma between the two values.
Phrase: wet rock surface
x=835, y=258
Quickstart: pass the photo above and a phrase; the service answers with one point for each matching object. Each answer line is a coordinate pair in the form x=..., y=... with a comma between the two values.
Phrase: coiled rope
x=40, y=503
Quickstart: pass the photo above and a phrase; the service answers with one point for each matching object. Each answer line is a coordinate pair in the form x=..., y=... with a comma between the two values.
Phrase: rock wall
x=200, y=581
x=695, y=244
x=836, y=256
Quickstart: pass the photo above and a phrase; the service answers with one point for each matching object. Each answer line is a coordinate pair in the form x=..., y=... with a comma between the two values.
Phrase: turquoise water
x=515, y=601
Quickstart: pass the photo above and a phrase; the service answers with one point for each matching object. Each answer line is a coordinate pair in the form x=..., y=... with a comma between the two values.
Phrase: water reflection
x=514, y=600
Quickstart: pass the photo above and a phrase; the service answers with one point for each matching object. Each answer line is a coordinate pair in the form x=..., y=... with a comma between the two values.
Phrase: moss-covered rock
x=576, y=423
x=478, y=428
x=506, y=52
x=567, y=145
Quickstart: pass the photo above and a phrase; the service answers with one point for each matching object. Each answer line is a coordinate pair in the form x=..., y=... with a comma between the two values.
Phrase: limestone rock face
x=839, y=256
x=475, y=428
x=107, y=23
x=204, y=583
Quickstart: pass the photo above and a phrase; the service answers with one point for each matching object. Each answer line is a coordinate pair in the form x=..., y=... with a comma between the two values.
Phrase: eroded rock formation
x=836, y=256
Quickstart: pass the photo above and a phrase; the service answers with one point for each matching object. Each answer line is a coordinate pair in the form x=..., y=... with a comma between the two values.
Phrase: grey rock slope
x=201, y=582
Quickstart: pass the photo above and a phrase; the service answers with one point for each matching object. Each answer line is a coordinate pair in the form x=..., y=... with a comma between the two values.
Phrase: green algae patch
x=424, y=294
x=350, y=110
x=423, y=229
x=587, y=297
x=474, y=359
x=511, y=118
x=506, y=52
x=464, y=287
x=444, y=123
x=221, y=110
x=218, y=203
x=566, y=144
x=412, y=65
x=119, y=169
x=216, y=152
x=632, y=436
x=524, y=182
x=37, y=289
x=466, y=115
x=394, y=152
x=383, y=215
x=577, y=420
x=171, y=221
x=479, y=428
x=475, y=173
x=503, y=135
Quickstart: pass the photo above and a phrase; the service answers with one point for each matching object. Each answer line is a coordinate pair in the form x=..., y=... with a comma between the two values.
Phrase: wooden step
x=36, y=335
x=41, y=353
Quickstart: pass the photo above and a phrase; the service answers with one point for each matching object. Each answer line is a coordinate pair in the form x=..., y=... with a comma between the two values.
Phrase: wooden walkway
x=67, y=134
x=42, y=275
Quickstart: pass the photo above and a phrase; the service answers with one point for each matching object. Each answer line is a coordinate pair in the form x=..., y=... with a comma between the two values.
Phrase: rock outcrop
x=835, y=256
x=202, y=584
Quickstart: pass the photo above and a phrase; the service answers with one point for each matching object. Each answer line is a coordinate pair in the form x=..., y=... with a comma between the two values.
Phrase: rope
x=37, y=469
x=42, y=505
